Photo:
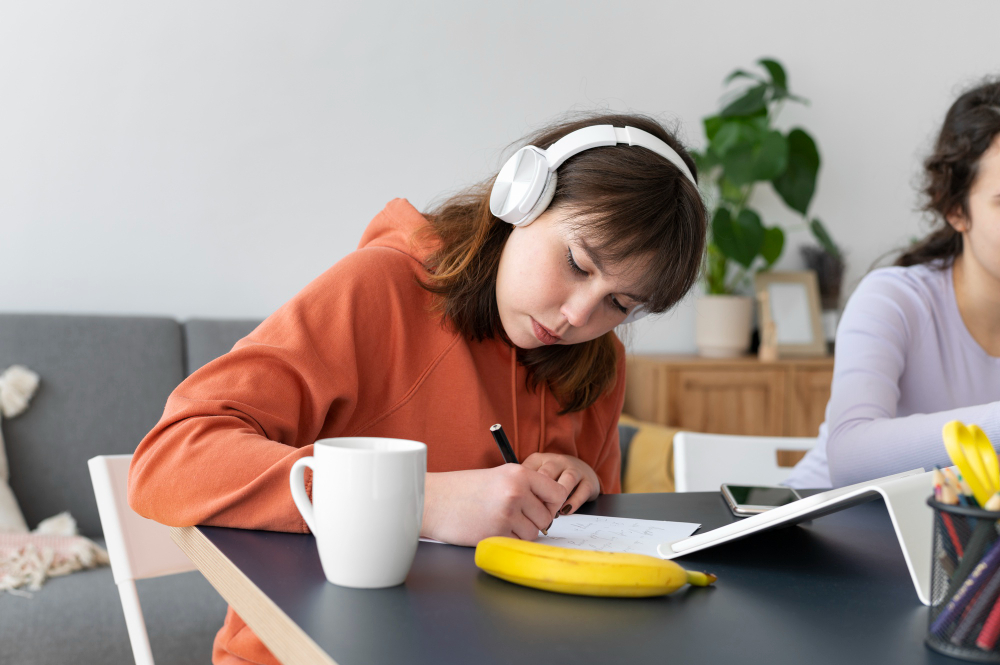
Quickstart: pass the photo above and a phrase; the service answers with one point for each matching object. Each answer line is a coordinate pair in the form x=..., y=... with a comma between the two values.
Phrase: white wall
x=210, y=158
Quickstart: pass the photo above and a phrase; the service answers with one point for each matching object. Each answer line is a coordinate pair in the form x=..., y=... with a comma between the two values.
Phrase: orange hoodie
x=356, y=353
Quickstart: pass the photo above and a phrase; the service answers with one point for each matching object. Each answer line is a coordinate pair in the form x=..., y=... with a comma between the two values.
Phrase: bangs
x=642, y=232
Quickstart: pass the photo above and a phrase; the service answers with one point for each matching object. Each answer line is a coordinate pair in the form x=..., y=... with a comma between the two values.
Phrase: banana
x=583, y=572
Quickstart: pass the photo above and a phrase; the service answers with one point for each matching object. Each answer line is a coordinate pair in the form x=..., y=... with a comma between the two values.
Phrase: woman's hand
x=574, y=474
x=463, y=507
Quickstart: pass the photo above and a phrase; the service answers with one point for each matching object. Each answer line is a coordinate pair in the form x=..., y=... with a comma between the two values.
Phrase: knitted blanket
x=28, y=559
x=52, y=549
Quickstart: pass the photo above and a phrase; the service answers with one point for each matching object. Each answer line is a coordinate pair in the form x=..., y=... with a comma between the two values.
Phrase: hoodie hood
x=396, y=227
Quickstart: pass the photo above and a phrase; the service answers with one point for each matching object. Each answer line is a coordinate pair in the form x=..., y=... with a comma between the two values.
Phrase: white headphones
x=527, y=182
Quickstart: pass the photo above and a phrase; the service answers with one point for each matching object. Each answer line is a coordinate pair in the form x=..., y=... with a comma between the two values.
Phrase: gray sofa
x=104, y=382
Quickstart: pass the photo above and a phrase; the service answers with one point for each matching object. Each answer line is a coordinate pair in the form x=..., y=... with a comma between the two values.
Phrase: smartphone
x=745, y=500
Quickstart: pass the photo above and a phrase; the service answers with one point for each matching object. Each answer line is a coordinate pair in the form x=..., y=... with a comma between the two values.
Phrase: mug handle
x=299, y=496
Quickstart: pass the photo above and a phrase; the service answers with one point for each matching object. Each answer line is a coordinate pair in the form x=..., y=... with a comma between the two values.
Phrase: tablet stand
x=905, y=496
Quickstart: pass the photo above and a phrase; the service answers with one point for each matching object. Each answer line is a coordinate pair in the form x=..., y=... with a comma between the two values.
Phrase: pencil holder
x=965, y=583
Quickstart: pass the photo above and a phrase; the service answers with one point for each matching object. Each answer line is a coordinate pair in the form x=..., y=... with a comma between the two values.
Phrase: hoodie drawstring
x=513, y=401
x=541, y=436
x=513, y=396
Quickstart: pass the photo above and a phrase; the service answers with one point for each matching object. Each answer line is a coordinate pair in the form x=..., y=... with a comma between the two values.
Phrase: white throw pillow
x=11, y=519
x=17, y=385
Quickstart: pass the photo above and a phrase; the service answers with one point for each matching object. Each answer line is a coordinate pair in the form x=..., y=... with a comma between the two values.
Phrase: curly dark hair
x=969, y=129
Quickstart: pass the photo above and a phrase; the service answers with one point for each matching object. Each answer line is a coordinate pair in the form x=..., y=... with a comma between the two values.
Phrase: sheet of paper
x=612, y=534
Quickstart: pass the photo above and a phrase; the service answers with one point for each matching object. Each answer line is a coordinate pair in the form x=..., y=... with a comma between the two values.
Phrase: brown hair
x=631, y=202
x=970, y=126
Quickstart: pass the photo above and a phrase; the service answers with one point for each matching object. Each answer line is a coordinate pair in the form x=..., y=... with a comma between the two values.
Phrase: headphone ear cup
x=544, y=199
x=519, y=185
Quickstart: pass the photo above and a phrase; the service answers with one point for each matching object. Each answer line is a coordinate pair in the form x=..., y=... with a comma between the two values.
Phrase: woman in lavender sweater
x=919, y=343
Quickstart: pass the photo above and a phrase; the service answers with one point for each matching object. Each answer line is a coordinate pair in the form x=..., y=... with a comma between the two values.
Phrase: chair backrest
x=702, y=462
x=138, y=547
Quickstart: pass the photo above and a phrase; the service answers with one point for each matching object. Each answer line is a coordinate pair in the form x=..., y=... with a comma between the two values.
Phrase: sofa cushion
x=649, y=465
x=79, y=619
x=625, y=434
x=104, y=382
x=207, y=339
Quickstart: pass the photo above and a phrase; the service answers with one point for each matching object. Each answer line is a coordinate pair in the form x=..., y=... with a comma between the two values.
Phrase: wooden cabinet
x=730, y=396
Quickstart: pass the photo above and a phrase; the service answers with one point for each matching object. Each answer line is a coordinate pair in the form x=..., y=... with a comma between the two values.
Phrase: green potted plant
x=744, y=149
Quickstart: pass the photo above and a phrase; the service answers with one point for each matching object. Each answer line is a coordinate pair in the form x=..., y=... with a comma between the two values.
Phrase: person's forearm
x=432, y=507
x=863, y=449
x=211, y=470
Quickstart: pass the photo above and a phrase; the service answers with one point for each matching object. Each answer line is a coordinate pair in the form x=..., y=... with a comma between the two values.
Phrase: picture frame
x=794, y=310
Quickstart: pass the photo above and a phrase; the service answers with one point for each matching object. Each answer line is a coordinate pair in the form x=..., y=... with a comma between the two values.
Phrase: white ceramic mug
x=367, y=507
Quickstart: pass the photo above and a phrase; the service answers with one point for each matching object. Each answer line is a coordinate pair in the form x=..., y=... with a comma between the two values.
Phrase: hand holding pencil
x=510, y=457
x=579, y=479
x=463, y=507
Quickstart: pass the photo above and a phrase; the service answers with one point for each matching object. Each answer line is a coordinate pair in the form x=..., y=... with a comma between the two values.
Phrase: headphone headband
x=527, y=182
x=603, y=135
x=525, y=185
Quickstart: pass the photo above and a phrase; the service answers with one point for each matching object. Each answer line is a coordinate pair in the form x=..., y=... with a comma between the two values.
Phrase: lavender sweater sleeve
x=905, y=365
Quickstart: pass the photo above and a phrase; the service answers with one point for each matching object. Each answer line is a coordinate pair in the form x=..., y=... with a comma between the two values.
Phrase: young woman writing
x=919, y=343
x=489, y=308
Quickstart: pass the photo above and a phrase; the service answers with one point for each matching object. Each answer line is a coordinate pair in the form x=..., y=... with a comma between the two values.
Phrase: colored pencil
x=979, y=576
x=976, y=609
x=956, y=542
x=987, y=638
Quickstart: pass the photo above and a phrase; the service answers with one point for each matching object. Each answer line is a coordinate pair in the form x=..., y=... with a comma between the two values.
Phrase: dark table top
x=835, y=590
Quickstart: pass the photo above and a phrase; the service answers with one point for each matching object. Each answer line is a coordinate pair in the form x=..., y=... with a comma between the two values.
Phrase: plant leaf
x=777, y=72
x=712, y=124
x=732, y=133
x=741, y=73
x=774, y=242
x=772, y=156
x=823, y=237
x=730, y=192
x=751, y=160
x=717, y=266
x=705, y=161
x=739, y=239
x=737, y=164
x=797, y=183
x=750, y=102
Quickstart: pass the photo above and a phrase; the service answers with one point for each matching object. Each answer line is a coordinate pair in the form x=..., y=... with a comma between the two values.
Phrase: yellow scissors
x=971, y=451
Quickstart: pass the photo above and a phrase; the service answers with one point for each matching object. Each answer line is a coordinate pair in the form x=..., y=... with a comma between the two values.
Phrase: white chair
x=139, y=548
x=702, y=462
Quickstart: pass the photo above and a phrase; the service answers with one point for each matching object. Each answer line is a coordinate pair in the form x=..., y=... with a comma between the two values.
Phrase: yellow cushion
x=650, y=464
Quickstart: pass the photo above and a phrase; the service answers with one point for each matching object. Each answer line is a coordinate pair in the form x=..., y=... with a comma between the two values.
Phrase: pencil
x=506, y=451
x=967, y=492
x=979, y=576
x=991, y=629
x=973, y=552
x=938, y=478
x=504, y=444
x=950, y=527
x=979, y=606
x=952, y=480
x=948, y=496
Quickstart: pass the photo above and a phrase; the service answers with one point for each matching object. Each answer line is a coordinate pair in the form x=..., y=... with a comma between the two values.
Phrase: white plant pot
x=722, y=325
